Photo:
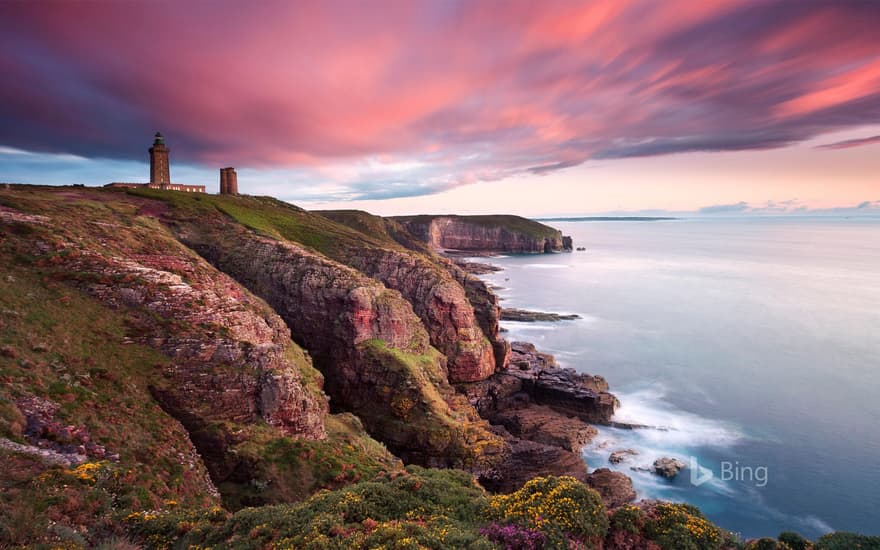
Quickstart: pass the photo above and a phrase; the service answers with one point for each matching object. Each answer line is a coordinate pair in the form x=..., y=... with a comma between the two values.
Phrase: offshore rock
x=668, y=467
x=621, y=455
x=526, y=316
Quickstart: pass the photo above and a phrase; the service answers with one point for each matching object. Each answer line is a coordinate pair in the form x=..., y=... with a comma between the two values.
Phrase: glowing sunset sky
x=483, y=106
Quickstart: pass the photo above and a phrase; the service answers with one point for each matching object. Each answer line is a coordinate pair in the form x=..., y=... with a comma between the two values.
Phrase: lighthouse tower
x=159, y=171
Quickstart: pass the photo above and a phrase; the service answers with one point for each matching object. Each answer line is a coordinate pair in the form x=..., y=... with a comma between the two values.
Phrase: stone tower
x=228, y=181
x=160, y=173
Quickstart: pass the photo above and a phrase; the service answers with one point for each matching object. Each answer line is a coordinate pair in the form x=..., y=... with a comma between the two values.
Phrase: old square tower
x=160, y=172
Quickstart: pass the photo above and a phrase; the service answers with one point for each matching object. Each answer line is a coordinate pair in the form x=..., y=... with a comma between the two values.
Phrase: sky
x=712, y=107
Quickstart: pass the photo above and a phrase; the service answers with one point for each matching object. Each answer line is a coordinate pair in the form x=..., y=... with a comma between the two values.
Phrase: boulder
x=620, y=455
x=615, y=488
x=668, y=467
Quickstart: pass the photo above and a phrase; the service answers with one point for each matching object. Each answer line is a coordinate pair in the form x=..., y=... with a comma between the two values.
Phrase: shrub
x=513, y=537
x=559, y=507
x=419, y=508
x=630, y=519
x=682, y=527
x=794, y=540
x=765, y=543
x=847, y=541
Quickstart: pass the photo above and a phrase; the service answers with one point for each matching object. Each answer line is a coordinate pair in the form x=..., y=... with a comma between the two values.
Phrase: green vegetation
x=388, y=230
x=847, y=541
x=61, y=346
x=414, y=509
x=285, y=469
x=424, y=407
x=682, y=527
x=273, y=218
x=561, y=508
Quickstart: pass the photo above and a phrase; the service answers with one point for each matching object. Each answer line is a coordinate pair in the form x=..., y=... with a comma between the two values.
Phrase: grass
x=101, y=384
x=285, y=469
x=273, y=218
x=386, y=229
x=424, y=408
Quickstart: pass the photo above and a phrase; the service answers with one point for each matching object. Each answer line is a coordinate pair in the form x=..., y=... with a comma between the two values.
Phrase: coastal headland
x=183, y=362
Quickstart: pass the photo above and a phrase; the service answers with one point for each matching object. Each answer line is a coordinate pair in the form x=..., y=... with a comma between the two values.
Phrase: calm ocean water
x=753, y=343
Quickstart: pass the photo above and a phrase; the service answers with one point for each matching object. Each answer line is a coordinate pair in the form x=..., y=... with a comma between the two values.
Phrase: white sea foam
x=675, y=428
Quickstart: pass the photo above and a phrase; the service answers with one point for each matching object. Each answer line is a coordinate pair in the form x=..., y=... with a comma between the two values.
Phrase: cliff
x=498, y=233
x=372, y=348
x=476, y=304
x=383, y=250
x=250, y=310
x=123, y=351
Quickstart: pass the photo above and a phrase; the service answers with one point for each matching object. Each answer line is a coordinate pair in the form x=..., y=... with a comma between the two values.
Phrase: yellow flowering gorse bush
x=560, y=507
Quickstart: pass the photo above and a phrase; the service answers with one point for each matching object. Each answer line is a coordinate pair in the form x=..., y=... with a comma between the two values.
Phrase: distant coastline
x=608, y=219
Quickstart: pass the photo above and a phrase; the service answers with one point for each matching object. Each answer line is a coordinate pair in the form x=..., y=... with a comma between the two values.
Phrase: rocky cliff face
x=510, y=234
x=366, y=339
x=385, y=251
x=442, y=306
x=487, y=311
x=459, y=312
x=232, y=374
x=232, y=358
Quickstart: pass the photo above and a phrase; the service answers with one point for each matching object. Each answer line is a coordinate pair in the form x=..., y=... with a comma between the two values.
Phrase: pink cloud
x=849, y=143
x=472, y=90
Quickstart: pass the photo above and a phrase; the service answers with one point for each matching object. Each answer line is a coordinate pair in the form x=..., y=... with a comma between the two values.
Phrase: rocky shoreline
x=545, y=412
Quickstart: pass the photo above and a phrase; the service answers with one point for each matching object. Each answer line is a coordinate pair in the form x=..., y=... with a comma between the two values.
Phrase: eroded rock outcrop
x=565, y=390
x=544, y=410
x=511, y=234
x=366, y=339
x=440, y=303
x=528, y=459
x=487, y=311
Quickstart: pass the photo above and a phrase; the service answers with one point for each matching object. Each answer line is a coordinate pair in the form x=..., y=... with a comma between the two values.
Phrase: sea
x=749, y=346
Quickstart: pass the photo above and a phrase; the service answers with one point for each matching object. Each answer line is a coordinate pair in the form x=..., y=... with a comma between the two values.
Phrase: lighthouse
x=160, y=173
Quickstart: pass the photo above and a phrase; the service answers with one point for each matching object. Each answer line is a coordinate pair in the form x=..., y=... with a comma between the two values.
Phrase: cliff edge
x=495, y=233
